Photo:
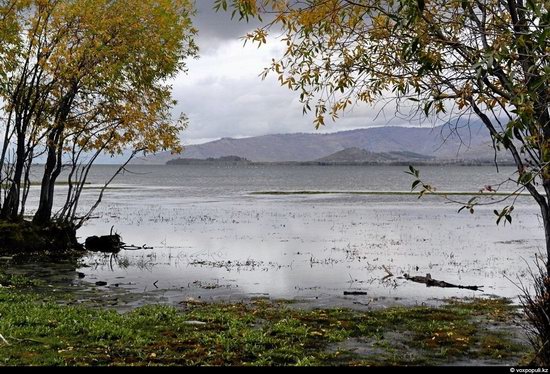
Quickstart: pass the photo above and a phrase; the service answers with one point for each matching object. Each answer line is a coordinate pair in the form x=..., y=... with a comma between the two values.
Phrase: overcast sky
x=223, y=95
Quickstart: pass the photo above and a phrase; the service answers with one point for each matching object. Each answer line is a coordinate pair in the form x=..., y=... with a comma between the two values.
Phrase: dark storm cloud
x=218, y=27
x=224, y=96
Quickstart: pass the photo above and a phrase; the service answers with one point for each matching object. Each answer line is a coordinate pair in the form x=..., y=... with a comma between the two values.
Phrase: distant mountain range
x=470, y=143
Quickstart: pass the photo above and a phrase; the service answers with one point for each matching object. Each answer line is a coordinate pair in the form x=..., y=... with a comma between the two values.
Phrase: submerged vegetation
x=40, y=331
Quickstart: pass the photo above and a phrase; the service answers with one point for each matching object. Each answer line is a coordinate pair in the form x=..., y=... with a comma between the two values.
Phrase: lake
x=214, y=239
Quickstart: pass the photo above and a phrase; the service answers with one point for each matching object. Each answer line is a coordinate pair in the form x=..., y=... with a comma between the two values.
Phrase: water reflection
x=295, y=248
x=220, y=243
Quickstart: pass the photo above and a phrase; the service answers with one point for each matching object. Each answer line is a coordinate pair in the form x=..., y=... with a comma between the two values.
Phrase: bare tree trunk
x=26, y=184
x=45, y=205
x=54, y=159
x=10, y=210
x=8, y=132
x=547, y=237
x=545, y=210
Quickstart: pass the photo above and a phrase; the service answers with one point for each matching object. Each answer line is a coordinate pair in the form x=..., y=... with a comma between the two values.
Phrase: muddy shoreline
x=55, y=327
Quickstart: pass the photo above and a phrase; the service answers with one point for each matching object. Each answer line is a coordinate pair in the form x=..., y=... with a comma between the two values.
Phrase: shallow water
x=214, y=240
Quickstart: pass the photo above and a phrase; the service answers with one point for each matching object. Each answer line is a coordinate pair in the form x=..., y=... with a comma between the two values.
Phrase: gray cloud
x=241, y=107
x=215, y=28
x=223, y=95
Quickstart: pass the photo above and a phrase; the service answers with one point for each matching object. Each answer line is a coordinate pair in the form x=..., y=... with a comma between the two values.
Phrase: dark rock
x=106, y=244
x=100, y=283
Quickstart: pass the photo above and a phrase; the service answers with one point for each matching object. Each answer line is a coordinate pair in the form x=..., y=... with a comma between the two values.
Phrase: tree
x=452, y=58
x=456, y=58
x=83, y=77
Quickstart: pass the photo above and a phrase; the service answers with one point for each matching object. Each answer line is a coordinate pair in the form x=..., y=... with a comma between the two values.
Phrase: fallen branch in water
x=430, y=282
x=4, y=340
x=390, y=274
x=135, y=247
x=355, y=293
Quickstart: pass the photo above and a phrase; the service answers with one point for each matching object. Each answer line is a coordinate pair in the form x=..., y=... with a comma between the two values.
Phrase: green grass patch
x=17, y=281
x=258, y=332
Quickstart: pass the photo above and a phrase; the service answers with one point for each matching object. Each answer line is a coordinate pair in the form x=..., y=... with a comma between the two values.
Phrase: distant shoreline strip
x=404, y=193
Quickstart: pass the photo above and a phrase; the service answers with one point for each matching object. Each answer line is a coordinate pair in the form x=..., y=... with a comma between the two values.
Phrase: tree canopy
x=448, y=59
x=82, y=77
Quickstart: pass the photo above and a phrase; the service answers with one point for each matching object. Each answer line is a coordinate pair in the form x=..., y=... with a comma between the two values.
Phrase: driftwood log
x=430, y=282
x=355, y=293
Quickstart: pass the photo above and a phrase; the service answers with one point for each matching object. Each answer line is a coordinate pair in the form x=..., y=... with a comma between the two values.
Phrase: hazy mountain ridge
x=445, y=143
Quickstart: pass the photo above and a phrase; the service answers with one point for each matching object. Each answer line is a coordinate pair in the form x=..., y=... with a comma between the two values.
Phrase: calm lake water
x=215, y=240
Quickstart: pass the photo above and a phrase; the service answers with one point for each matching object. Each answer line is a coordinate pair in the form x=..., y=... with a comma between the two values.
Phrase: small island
x=225, y=160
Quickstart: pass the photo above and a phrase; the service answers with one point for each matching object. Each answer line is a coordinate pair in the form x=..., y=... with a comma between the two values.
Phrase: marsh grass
x=536, y=305
x=257, y=332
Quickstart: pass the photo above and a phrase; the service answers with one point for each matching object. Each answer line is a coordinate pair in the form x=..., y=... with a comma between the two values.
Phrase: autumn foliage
x=445, y=59
x=83, y=77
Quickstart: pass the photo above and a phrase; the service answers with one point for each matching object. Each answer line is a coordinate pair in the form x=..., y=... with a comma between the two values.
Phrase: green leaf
x=427, y=107
x=525, y=178
x=535, y=7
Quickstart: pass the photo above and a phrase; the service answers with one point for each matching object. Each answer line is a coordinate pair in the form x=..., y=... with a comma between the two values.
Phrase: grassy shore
x=40, y=331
